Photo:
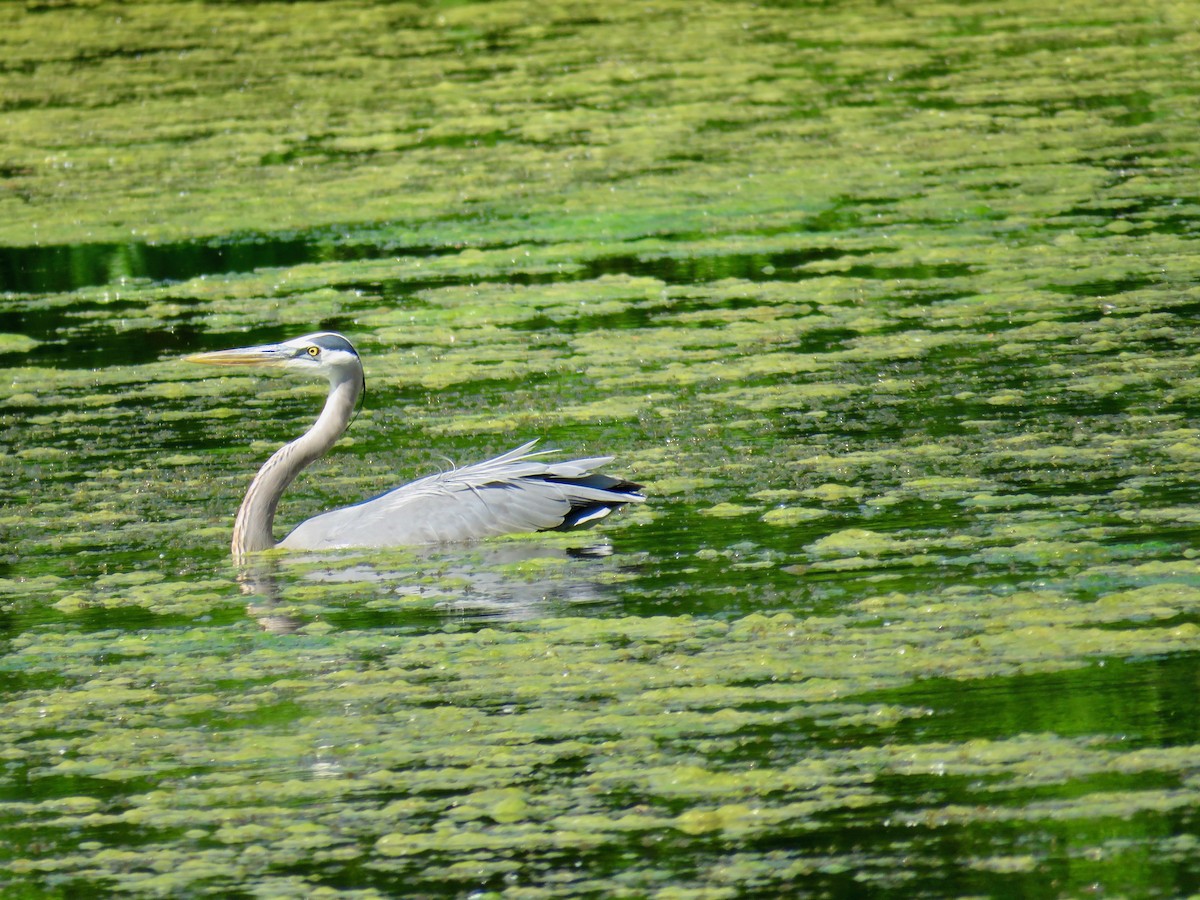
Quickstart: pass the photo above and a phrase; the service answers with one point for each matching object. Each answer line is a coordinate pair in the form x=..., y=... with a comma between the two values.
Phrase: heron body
x=518, y=491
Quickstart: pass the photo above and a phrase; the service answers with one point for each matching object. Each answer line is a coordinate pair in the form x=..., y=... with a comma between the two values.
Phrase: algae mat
x=891, y=308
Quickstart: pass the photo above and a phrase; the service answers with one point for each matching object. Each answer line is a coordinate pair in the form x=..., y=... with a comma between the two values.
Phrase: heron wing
x=518, y=491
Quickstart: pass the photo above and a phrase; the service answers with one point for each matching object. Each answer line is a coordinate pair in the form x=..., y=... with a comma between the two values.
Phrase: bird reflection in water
x=495, y=582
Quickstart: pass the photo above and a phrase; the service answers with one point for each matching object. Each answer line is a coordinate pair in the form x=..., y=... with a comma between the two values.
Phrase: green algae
x=792, y=515
x=460, y=755
x=890, y=312
x=16, y=343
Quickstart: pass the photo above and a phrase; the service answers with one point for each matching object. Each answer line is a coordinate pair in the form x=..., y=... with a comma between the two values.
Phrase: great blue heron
x=514, y=492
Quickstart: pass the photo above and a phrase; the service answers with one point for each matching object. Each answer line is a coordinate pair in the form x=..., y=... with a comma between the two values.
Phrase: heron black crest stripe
x=330, y=341
x=361, y=402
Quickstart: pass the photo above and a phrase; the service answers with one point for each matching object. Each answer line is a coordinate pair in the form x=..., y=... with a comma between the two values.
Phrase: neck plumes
x=253, y=528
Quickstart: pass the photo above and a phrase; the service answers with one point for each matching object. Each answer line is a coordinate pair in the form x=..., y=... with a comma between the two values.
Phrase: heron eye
x=314, y=352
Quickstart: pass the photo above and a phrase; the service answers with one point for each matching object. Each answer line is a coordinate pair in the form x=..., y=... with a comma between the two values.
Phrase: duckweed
x=890, y=313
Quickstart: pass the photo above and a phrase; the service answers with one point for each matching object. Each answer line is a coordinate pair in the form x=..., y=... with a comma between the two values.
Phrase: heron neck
x=253, y=529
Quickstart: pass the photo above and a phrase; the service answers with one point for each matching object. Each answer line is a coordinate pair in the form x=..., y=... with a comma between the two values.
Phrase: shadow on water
x=67, y=267
x=49, y=269
x=61, y=268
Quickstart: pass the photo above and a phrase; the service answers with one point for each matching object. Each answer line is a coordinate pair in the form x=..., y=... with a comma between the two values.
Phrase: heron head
x=324, y=353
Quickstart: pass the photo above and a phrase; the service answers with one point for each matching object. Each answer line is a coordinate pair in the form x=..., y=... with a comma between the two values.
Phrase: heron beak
x=266, y=355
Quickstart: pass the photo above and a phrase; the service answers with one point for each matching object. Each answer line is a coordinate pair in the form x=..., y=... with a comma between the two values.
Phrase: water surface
x=891, y=309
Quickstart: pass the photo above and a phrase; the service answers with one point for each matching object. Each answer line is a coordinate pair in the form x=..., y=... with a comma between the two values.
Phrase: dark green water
x=892, y=309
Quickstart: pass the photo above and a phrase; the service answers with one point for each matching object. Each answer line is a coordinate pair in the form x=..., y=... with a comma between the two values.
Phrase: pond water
x=891, y=307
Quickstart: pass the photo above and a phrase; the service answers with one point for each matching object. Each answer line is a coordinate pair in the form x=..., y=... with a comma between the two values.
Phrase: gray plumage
x=517, y=491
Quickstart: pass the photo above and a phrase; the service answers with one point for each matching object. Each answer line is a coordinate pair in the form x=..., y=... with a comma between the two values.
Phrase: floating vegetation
x=890, y=313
